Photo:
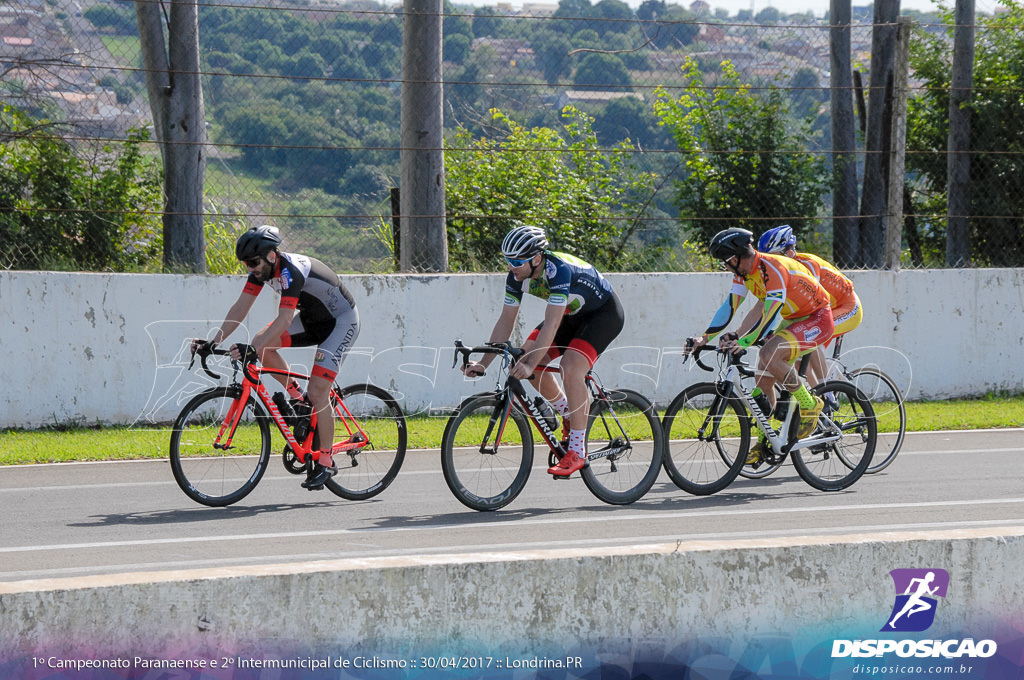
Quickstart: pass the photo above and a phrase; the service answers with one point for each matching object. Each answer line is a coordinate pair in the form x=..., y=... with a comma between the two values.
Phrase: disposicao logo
x=917, y=593
x=917, y=597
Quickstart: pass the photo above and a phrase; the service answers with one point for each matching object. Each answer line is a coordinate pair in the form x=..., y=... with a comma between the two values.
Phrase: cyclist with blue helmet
x=847, y=311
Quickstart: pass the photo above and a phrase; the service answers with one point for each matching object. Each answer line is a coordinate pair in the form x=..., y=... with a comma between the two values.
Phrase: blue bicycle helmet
x=777, y=241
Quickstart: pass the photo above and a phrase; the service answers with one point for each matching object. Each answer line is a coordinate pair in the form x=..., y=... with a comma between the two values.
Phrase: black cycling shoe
x=319, y=475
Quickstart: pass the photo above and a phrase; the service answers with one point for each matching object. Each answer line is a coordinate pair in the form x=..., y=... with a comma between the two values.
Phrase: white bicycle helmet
x=523, y=242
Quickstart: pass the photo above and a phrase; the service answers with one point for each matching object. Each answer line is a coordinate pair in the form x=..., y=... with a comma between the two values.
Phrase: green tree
x=599, y=71
x=997, y=139
x=590, y=201
x=60, y=209
x=675, y=27
x=616, y=16
x=746, y=161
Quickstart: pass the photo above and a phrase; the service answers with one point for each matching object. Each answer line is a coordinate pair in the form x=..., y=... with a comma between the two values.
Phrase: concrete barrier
x=110, y=348
x=641, y=601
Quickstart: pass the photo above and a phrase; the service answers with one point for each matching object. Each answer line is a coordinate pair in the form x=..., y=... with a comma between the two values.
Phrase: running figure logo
x=917, y=593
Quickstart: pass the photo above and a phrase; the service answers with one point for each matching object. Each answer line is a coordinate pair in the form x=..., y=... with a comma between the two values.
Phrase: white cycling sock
x=578, y=441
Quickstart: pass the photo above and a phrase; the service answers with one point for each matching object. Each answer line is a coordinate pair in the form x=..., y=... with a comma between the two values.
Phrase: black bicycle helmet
x=256, y=242
x=730, y=242
x=525, y=241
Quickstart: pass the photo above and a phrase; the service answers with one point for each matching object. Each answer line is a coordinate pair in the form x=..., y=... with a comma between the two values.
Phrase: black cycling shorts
x=587, y=333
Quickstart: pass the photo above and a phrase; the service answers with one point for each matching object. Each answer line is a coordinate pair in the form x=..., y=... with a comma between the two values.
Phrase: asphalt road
x=103, y=518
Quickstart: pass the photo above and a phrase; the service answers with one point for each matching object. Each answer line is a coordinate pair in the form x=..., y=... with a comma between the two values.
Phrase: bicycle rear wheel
x=707, y=439
x=624, y=446
x=378, y=419
x=835, y=466
x=485, y=457
x=213, y=476
x=890, y=414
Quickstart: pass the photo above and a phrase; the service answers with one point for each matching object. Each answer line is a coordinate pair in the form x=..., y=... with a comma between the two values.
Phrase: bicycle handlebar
x=486, y=348
x=735, y=359
x=204, y=350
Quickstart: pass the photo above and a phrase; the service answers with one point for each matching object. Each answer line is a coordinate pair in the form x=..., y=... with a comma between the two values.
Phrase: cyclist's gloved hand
x=244, y=353
x=693, y=344
x=203, y=348
x=473, y=369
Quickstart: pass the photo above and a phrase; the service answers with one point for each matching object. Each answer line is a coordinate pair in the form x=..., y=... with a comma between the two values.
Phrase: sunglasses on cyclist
x=513, y=262
x=252, y=262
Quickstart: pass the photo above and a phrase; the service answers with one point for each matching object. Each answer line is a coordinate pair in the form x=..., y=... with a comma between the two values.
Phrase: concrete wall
x=521, y=604
x=112, y=348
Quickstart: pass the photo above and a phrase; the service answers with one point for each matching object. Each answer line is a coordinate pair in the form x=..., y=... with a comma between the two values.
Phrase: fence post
x=958, y=163
x=422, y=161
x=898, y=146
x=873, y=192
x=396, y=225
x=845, y=234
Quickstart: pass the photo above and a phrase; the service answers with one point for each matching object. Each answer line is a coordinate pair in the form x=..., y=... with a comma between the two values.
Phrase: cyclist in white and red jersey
x=583, y=315
x=315, y=310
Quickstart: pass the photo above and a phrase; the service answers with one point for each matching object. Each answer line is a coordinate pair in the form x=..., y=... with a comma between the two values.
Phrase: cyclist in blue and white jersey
x=583, y=315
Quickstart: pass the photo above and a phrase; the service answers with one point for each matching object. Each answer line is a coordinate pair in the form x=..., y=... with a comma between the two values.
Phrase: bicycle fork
x=230, y=424
x=498, y=419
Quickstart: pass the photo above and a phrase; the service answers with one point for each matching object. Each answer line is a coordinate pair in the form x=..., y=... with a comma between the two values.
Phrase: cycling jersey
x=310, y=286
x=846, y=309
x=327, y=314
x=787, y=288
x=567, y=281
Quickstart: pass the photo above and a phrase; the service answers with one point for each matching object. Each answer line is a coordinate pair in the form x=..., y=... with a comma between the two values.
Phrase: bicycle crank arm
x=820, y=440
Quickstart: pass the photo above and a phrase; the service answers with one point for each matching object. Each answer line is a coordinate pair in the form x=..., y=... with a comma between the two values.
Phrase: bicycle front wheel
x=890, y=414
x=486, y=457
x=707, y=439
x=212, y=475
x=367, y=413
x=624, y=447
x=837, y=465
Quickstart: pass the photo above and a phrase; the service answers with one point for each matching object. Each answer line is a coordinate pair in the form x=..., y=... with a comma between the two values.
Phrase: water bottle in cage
x=546, y=412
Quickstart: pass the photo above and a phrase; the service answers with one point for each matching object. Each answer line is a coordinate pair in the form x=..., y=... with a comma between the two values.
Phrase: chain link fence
x=632, y=135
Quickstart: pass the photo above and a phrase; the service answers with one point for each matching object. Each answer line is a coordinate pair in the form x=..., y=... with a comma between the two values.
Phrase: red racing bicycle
x=221, y=441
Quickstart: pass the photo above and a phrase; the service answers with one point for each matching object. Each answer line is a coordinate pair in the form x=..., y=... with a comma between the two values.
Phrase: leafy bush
x=590, y=202
x=61, y=209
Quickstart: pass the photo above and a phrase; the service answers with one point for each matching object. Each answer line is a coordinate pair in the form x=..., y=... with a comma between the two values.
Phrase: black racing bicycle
x=487, y=446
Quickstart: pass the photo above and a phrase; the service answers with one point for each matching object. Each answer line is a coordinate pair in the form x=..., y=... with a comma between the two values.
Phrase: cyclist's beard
x=267, y=267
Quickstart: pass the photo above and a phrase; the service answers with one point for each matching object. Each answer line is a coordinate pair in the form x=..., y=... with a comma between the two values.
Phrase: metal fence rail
x=303, y=112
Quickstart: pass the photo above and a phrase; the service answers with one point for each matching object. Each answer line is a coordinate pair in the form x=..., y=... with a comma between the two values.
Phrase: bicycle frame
x=251, y=382
x=730, y=382
x=514, y=387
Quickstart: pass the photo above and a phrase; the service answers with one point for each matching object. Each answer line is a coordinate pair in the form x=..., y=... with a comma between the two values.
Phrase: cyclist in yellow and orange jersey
x=795, y=319
x=847, y=311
